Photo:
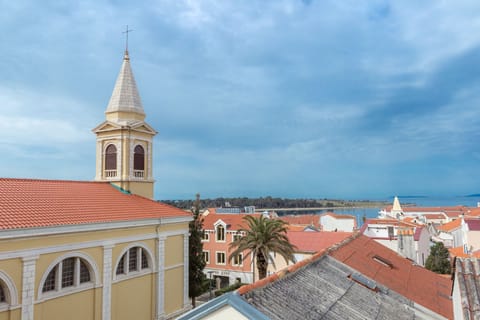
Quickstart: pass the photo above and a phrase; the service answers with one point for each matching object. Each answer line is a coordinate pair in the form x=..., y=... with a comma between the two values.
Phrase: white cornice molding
x=34, y=232
x=36, y=252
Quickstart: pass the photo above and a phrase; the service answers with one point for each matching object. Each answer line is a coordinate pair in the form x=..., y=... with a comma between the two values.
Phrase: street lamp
x=210, y=283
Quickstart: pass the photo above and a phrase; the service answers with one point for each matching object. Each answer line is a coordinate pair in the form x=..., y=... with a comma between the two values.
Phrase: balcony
x=139, y=173
x=110, y=173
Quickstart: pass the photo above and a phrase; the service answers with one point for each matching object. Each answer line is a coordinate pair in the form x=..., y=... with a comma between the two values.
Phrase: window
x=111, y=161
x=138, y=161
x=220, y=233
x=238, y=260
x=220, y=257
x=206, y=256
x=71, y=272
x=134, y=260
x=3, y=297
x=205, y=236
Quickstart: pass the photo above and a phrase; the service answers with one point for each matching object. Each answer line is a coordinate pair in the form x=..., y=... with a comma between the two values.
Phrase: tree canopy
x=260, y=238
x=438, y=261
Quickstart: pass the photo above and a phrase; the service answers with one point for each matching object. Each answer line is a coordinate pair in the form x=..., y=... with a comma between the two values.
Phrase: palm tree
x=262, y=237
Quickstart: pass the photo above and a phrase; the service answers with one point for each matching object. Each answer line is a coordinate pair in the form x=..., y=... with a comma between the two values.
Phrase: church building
x=99, y=250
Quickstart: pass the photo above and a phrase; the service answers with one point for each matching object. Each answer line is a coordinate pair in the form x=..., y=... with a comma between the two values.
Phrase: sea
x=420, y=201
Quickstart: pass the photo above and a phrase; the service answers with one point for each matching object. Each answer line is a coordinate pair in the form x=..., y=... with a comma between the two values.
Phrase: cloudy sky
x=344, y=99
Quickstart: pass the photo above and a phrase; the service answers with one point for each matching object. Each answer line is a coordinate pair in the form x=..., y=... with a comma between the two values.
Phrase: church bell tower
x=124, y=139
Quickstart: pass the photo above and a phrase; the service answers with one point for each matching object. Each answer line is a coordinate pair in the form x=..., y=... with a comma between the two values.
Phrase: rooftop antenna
x=127, y=31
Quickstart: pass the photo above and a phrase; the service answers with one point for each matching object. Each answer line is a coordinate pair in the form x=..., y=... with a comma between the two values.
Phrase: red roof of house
x=459, y=253
x=397, y=273
x=339, y=216
x=434, y=216
x=29, y=203
x=308, y=241
x=450, y=226
x=303, y=220
x=473, y=224
x=234, y=221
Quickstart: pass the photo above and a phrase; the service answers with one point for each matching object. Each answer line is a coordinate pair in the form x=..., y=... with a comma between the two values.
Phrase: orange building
x=221, y=229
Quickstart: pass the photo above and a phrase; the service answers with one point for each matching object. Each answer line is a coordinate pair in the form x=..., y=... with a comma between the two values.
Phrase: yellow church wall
x=11, y=314
x=89, y=301
x=173, y=251
x=13, y=268
x=173, y=290
x=133, y=298
x=76, y=306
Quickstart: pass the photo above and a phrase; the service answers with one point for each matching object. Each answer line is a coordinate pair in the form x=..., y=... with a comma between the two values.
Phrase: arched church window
x=70, y=272
x=133, y=262
x=139, y=161
x=111, y=161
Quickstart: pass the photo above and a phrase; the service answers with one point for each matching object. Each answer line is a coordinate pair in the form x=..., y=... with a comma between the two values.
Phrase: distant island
x=277, y=203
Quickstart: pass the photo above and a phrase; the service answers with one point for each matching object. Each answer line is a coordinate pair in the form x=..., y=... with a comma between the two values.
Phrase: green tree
x=196, y=277
x=260, y=238
x=438, y=261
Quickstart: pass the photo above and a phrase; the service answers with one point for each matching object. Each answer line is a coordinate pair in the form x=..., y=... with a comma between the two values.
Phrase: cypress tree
x=196, y=277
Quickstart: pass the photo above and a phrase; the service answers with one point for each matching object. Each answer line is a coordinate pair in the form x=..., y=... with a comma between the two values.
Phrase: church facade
x=98, y=249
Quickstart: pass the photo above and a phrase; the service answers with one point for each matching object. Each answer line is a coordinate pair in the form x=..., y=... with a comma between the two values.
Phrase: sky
x=286, y=98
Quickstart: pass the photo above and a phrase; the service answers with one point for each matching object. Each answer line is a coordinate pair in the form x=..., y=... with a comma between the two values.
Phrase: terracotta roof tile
x=303, y=220
x=234, y=221
x=473, y=224
x=29, y=203
x=450, y=226
x=307, y=241
x=397, y=273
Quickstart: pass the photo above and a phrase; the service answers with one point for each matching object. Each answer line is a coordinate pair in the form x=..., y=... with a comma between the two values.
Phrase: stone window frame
x=124, y=257
x=10, y=292
x=224, y=258
x=240, y=264
x=206, y=256
x=217, y=233
x=206, y=236
x=77, y=286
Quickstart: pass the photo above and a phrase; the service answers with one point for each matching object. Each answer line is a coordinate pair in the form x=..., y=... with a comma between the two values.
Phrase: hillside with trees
x=275, y=203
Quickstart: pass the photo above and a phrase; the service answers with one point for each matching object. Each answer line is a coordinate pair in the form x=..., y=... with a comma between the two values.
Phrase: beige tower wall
x=125, y=140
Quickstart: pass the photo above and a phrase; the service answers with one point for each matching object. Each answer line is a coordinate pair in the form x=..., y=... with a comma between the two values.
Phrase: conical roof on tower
x=396, y=205
x=125, y=96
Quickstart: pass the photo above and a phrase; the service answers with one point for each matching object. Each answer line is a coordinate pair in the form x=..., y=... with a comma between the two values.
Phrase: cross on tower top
x=127, y=31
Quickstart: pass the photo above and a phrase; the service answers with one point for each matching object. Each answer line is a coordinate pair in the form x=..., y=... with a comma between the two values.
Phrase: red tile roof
x=459, y=253
x=473, y=224
x=234, y=221
x=303, y=220
x=308, y=241
x=29, y=203
x=450, y=226
x=414, y=282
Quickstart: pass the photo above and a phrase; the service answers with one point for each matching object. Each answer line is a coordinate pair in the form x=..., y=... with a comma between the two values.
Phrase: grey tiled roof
x=125, y=96
x=468, y=278
x=324, y=289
